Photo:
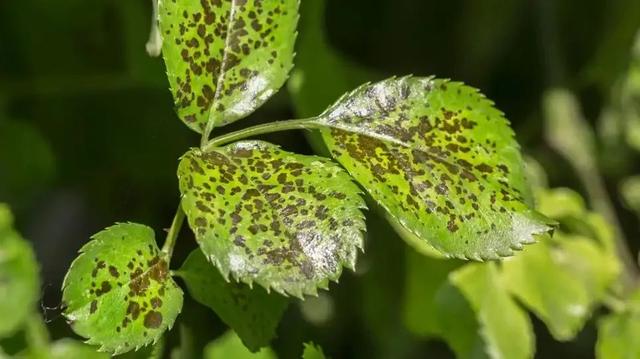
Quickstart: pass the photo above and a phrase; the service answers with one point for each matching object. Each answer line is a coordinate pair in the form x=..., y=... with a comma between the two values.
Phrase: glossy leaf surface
x=19, y=282
x=286, y=221
x=225, y=58
x=118, y=292
x=253, y=314
x=441, y=160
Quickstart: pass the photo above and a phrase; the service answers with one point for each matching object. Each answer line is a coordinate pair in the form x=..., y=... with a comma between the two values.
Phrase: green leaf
x=618, y=333
x=286, y=221
x=19, y=282
x=560, y=203
x=457, y=323
x=630, y=191
x=27, y=162
x=505, y=327
x=312, y=351
x=253, y=314
x=441, y=160
x=69, y=348
x=425, y=276
x=230, y=346
x=225, y=58
x=546, y=279
x=118, y=292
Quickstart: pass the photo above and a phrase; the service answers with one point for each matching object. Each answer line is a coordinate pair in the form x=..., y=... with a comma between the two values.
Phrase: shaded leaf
x=118, y=292
x=286, y=221
x=424, y=278
x=505, y=328
x=312, y=351
x=230, y=346
x=225, y=58
x=253, y=314
x=19, y=282
x=441, y=160
x=457, y=323
x=27, y=162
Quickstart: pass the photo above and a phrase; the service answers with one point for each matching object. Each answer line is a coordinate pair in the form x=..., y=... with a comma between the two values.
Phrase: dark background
x=88, y=135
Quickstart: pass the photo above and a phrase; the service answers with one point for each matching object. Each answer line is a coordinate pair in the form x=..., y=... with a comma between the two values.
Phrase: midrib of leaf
x=221, y=72
x=424, y=149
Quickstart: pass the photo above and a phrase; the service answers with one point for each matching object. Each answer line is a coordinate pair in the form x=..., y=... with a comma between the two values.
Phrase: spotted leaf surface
x=286, y=221
x=19, y=282
x=253, y=314
x=225, y=58
x=441, y=160
x=118, y=293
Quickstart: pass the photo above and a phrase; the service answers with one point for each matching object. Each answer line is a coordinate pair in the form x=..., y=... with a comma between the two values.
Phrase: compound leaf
x=230, y=346
x=286, y=221
x=441, y=160
x=253, y=314
x=19, y=280
x=504, y=326
x=225, y=58
x=118, y=292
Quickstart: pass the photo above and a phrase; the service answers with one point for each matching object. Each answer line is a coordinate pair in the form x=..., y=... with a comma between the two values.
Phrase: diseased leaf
x=618, y=333
x=441, y=160
x=286, y=221
x=505, y=328
x=312, y=351
x=225, y=58
x=253, y=314
x=230, y=346
x=118, y=292
x=19, y=282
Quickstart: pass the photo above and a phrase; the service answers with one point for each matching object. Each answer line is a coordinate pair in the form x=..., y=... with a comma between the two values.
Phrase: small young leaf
x=441, y=160
x=118, y=292
x=19, y=282
x=286, y=221
x=225, y=58
x=312, y=351
x=253, y=314
x=230, y=346
x=505, y=327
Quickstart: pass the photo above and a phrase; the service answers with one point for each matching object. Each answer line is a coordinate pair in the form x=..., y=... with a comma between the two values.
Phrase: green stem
x=172, y=236
x=303, y=124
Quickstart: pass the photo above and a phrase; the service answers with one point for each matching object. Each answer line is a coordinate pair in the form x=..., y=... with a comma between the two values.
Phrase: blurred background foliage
x=88, y=137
